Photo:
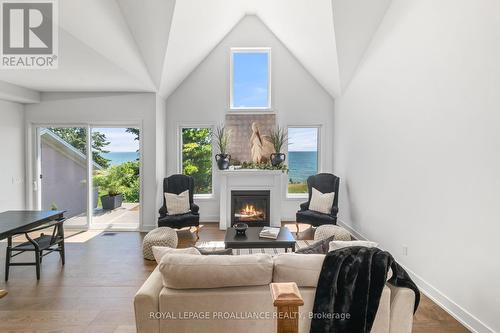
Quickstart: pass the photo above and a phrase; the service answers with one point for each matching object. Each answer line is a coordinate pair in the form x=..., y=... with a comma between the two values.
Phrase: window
x=197, y=157
x=250, y=78
x=302, y=157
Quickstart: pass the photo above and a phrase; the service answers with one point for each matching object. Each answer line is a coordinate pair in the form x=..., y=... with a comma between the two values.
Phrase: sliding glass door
x=116, y=177
x=63, y=173
x=91, y=172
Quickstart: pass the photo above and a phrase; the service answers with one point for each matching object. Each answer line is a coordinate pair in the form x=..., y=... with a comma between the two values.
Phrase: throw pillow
x=177, y=203
x=221, y=252
x=335, y=245
x=321, y=202
x=160, y=251
x=319, y=247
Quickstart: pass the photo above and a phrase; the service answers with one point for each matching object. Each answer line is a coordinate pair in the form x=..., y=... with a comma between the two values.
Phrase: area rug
x=219, y=245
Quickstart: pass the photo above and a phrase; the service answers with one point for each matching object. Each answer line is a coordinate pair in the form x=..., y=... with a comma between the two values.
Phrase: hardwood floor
x=95, y=289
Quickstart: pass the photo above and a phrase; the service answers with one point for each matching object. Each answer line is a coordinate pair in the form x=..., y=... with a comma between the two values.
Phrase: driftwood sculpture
x=261, y=146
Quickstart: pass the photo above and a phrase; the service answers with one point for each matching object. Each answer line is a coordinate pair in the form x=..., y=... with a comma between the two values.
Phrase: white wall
x=203, y=98
x=12, y=194
x=161, y=151
x=107, y=109
x=417, y=144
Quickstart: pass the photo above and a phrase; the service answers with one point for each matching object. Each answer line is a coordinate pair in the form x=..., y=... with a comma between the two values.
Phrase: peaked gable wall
x=203, y=99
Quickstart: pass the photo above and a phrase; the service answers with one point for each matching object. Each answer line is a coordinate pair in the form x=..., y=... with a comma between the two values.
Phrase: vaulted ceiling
x=153, y=45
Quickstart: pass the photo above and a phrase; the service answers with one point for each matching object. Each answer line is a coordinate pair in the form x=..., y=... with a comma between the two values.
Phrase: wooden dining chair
x=41, y=246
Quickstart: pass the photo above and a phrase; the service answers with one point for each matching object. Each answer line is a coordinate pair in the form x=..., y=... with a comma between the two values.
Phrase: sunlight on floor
x=82, y=236
x=127, y=216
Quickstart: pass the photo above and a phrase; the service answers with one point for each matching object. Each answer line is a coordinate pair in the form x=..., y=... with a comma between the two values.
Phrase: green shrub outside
x=123, y=178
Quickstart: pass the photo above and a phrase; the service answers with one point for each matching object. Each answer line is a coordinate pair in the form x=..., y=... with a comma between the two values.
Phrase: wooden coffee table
x=251, y=239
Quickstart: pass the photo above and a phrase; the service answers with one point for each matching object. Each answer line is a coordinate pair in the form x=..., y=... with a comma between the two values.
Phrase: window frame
x=234, y=50
x=305, y=195
x=180, y=160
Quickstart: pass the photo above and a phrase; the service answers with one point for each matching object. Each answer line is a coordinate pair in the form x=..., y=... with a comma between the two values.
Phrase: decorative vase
x=240, y=228
x=223, y=161
x=277, y=159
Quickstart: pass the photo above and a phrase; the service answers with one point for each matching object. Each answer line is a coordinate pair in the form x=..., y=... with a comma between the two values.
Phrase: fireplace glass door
x=251, y=207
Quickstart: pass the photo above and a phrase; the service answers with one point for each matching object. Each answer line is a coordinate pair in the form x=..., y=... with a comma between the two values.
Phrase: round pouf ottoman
x=162, y=236
x=329, y=230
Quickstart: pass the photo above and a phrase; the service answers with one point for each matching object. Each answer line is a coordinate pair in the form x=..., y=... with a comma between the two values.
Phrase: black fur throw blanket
x=350, y=285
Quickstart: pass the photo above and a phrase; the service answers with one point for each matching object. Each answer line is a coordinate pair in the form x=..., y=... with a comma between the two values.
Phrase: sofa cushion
x=302, y=269
x=314, y=218
x=183, y=271
x=179, y=221
x=160, y=251
x=232, y=309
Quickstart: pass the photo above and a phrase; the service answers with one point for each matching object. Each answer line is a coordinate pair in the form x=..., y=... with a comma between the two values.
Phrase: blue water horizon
x=116, y=158
x=301, y=165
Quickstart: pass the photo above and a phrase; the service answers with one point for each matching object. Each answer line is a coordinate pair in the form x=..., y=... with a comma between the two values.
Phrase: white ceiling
x=153, y=45
x=355, y=24
x=96, y=53
x=304, y=26
x=150, y=22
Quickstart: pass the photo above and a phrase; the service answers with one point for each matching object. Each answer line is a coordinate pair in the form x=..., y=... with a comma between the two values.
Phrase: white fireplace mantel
x=250, y=179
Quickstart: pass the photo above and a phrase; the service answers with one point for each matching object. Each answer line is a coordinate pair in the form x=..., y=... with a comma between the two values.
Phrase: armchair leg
x=197, y=232
x=297, y=232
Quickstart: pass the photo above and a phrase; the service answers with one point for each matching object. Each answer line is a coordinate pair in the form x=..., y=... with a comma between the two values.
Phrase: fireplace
x=250, y=207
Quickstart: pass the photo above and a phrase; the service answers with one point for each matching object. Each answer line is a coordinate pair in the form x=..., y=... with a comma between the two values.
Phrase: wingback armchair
x=177, y=184
x=325, y=183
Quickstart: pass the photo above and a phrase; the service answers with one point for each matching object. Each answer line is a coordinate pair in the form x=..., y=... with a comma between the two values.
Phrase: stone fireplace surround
x=250, y=180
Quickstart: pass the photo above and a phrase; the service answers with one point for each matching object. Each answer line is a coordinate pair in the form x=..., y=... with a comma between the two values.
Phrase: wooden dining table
x=13, y=222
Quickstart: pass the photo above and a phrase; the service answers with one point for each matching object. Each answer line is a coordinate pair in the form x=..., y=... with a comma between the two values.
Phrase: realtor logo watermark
x=29, y=37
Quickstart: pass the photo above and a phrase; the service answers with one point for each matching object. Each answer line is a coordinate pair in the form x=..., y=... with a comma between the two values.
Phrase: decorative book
x=269, y=232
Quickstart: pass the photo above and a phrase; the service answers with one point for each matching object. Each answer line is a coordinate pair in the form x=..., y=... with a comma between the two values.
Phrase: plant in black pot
x=221, y=138
x=279, y=137
x=113, y=199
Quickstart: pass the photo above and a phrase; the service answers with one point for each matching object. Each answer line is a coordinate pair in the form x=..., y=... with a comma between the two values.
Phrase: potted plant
x=279, y=137
x=113, y=199
x=221, y=138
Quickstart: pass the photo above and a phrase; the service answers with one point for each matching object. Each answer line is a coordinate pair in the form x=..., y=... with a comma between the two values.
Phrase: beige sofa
x=212, y=294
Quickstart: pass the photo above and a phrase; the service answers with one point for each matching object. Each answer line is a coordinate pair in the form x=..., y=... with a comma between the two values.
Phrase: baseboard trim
x=351, y=230
x=456, y=311
x=471, y=322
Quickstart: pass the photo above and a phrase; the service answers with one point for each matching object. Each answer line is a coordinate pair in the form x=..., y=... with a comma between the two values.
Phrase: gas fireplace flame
x=248, y=210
